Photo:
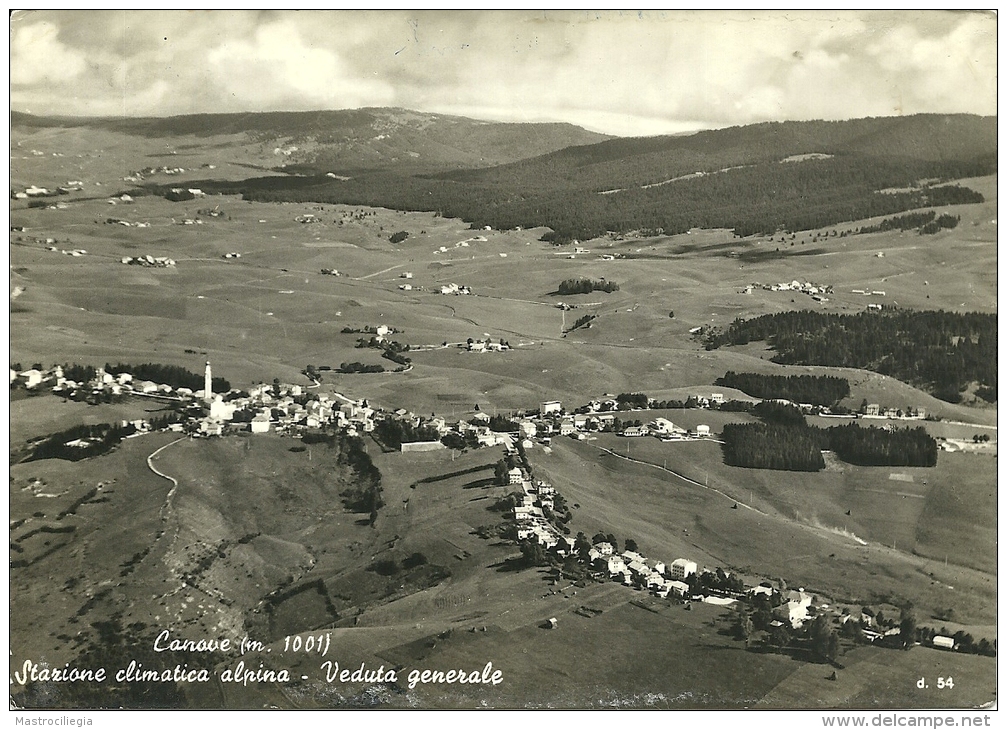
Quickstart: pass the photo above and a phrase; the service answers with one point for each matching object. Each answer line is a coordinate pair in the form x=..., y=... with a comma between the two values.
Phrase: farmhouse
x=604, y=548
x=211, y=428
x=31, y=378
x=260, y=424
x=677, y=587
x=663, y=425
x=795, y=610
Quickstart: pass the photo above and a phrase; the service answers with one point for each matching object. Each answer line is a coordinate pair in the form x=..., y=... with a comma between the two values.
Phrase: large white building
x=260, y=424
x=682, y=569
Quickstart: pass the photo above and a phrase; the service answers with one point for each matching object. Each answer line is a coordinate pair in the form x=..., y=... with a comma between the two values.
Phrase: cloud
x=277, y=69
x=42, y=58
x=665, y=69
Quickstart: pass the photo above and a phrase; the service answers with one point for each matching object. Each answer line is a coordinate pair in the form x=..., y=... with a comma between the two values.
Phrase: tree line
x=937, y=350
x=173, y=375
x=394, y=432
x=359, y=367
x=586, y=286
x=924, y=223
x=760, y=199
x=822, y=390
x=798, y=447
x=99, y=439
x=364, y=496
x=943, y=221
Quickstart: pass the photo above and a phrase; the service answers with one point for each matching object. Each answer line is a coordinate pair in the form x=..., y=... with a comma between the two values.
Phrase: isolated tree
x=631, y=545
x=500, y=470
x=744, y=627
x=533, y=554
x=823, y=638
x=907, y=628
x=779, y=636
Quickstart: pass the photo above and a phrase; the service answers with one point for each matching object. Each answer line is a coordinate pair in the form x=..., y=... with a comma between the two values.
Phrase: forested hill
x=757, y=179
x=351, y=140
x=626, y=162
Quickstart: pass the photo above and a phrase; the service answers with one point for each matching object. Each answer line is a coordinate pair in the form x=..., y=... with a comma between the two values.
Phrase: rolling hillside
x=347, y=141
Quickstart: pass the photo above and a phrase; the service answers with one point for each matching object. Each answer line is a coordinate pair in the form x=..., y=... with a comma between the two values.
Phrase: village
x=293, y=410
x=289, y=409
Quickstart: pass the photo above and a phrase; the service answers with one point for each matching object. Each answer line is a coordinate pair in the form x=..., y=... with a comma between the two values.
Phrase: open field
x=671, y=518
x=274, y=302
x=885, y=504
x=887, y=679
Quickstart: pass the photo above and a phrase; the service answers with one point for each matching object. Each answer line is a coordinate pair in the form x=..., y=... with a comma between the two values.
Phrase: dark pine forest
x=942, y=352
x=758, y=179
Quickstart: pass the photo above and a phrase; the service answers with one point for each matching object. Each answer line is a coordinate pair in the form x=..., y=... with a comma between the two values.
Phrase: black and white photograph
x=503, y=359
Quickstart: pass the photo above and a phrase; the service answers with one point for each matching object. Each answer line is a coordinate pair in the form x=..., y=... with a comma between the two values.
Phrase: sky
x=622, y=73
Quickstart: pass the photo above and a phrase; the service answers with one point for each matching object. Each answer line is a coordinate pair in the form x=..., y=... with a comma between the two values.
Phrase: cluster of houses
x=815, y=291
x=159, y=262
x=281, y=409
x=33, y=191
x=598, y=415
x=486, y=345
x=128, y=224
x=119, y=384
x=76, y=252
x=139, y=175
x=537, y=496
x=454, y=289
x=632, y=568
x=873, y=410
x=36, y=191
x=476, y=430
x=31, y=378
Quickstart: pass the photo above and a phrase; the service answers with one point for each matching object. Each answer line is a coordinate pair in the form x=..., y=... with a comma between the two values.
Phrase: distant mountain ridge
x=353, y=140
